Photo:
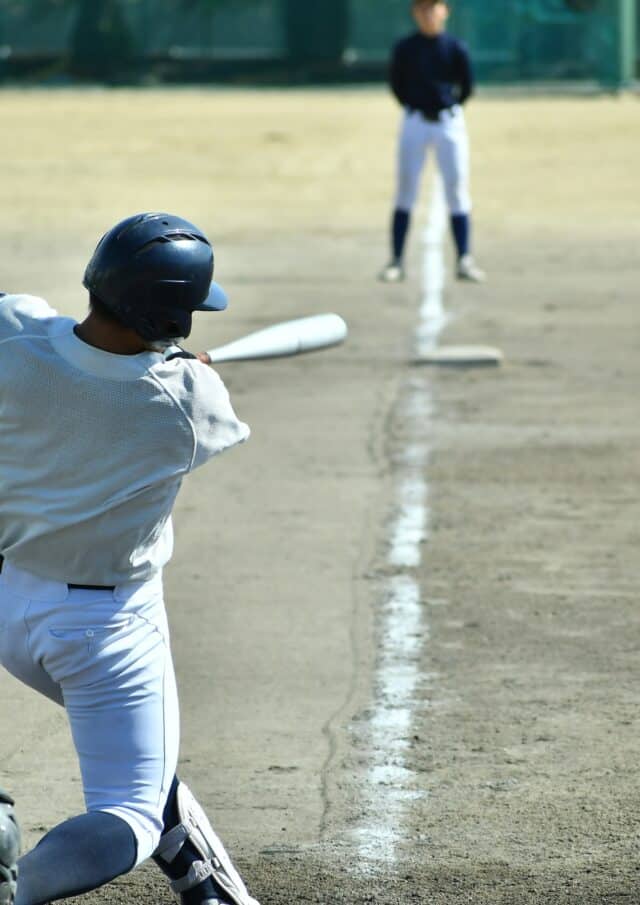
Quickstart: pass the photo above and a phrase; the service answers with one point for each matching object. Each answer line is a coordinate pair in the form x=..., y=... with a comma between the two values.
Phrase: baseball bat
x=304, y=334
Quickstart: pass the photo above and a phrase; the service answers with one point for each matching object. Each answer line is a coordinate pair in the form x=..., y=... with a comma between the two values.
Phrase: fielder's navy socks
x=461, y=229
x=399, y=229
x=77, y=856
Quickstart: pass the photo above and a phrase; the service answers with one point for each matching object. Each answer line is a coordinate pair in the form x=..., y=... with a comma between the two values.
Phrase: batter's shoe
x=392, y=273
x=468, y=270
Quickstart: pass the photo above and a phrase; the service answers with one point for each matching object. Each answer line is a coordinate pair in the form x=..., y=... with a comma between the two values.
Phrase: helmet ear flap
x=163, y=323
x=177, y=324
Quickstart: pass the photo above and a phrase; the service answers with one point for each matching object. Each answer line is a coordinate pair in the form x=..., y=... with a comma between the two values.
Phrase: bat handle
x=182, y=353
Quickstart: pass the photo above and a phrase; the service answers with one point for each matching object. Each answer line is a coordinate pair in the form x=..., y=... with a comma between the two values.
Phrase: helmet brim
x=216, y=300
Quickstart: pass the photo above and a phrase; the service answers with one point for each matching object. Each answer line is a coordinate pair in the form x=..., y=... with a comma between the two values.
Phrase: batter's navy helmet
x=152, y=271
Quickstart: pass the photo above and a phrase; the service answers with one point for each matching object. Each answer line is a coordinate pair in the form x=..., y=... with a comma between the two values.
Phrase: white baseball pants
x=105, y=657
x=448, y=137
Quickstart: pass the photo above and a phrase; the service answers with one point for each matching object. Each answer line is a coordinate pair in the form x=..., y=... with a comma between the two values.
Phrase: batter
x=431, y=77
x=99, y=423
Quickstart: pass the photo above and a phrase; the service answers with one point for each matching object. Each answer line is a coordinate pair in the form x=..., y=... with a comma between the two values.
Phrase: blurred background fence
x=308, y=40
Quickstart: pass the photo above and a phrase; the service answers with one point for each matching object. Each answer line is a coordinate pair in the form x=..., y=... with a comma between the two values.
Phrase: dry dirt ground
x=519, y=777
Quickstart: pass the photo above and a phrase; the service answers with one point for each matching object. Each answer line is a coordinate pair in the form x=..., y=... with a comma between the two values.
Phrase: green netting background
x=511, y=40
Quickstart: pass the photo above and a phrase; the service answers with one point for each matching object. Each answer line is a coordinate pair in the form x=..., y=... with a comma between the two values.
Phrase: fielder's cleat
x=392, y=273
x=469, y=270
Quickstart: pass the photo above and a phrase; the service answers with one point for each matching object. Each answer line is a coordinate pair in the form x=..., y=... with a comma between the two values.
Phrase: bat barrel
x=305, y=334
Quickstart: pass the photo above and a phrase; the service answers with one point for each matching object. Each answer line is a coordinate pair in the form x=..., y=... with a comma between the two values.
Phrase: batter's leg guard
x=190, y=854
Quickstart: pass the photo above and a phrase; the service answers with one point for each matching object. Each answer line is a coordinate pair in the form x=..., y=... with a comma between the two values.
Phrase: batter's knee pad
x=190, y=853
x=9, y=849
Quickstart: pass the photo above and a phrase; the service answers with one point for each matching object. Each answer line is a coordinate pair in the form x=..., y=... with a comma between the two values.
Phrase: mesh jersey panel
x=90, y=465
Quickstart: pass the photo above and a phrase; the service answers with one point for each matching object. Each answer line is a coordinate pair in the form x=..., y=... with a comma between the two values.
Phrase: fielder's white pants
x=105, y=657
x=448, y=137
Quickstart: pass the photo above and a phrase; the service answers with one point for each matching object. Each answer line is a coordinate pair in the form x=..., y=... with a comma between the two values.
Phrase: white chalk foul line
x=403, y=631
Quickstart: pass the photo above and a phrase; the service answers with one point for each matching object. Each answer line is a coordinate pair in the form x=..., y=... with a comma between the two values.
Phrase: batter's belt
x=83, y=587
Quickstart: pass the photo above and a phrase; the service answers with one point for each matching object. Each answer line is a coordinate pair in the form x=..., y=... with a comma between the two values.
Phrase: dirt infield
x=518, y=781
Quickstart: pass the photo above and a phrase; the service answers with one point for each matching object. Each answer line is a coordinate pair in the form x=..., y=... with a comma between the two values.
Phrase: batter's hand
x=204, y=358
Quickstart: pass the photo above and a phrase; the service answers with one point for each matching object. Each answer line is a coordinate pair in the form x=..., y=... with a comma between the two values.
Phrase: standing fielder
x=430, y=75
x=99, y=423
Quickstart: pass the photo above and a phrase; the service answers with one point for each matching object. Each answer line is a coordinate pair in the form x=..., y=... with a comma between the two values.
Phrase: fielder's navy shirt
x=430, y=74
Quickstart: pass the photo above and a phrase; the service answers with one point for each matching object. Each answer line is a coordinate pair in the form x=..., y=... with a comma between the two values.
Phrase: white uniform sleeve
x=23, y=314
x=215, y=425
